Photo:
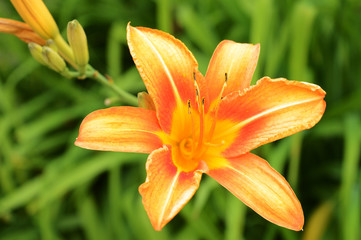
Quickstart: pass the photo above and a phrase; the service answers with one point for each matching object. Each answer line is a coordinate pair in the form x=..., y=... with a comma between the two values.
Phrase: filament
x=216, y=108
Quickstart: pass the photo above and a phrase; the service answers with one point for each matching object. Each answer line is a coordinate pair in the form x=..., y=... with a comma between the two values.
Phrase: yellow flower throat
x=196, y=136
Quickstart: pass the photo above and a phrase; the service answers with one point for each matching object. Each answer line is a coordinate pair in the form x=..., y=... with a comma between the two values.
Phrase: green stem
x=124, y=96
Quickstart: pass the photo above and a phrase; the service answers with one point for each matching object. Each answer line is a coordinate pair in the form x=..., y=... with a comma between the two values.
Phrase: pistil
x=214, y=120
x=201, y=130
x=192, y=122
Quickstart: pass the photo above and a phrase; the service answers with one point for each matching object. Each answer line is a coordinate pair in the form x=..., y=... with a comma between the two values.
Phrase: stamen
x=201, y=127
x=197, y=90
x=192, y=121
x=197, y=97
x=189, y=106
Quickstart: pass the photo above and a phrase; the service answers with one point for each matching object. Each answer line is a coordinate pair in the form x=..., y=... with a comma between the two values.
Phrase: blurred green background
x=50, y=189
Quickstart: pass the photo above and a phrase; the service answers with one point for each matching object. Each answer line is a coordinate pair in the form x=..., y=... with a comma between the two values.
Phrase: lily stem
x=123, y=95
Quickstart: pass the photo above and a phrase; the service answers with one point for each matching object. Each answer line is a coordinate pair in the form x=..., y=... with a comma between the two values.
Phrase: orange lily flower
x=206, y=125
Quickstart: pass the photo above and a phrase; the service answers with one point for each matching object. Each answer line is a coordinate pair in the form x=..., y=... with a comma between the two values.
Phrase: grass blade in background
x=350, y=188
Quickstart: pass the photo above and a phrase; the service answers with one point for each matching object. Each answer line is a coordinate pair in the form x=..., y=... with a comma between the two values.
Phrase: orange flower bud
x=36, y=14
x=20, y=30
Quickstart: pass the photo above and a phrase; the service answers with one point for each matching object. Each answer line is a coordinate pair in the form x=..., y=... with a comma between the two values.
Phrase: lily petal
x=259, y=186
x=123, y=129
x=238, y=60
x=166, y=67
x=20, y=30
x=166, y=190
x=270, y=110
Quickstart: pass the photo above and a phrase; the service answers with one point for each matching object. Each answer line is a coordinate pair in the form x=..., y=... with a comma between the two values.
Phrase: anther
x=197, y=89
x=189, y=106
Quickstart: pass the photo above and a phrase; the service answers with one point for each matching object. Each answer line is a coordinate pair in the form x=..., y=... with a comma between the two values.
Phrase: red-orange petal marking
x=238, y=60
x=166, y=67
x=166, y=190
x=123, y=129
x=259, y=186
x=270, y=110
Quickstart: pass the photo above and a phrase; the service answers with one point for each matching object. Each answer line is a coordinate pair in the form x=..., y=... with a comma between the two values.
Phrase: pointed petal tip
x=122, y=129
x=156, y=223
x=238, y=60
x=129, y=27
x=295, y=224
x=78, y=143
x=166, y=189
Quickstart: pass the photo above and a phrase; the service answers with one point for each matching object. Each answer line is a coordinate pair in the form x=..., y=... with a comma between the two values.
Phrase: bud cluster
x=56, y=52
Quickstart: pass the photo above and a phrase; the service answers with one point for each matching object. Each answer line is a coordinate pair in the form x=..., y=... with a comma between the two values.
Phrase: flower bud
x=78, y=42
x=50, y=43
x=54, y=60
x=36, y=52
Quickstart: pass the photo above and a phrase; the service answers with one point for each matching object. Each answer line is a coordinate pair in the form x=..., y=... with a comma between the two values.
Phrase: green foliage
x=51, y=189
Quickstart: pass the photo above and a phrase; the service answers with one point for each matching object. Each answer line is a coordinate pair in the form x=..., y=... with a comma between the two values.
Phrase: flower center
x=186, y=147
x=192, y=132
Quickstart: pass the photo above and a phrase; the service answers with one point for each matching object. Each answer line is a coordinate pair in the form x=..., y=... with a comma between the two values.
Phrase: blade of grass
x=202, y=225
x=45, y=221
x=115, y=207
x=349, y=190
x=49, y=121
x=114, y=49
x=89, y=216
x=80, y=174
x=21, y=196
x=137, y=219
x=235, y=218
x=303, y=17
x=198, y=30
x=279, y=155
x=295, y=157
x=164, y=15
x=317, y=224
x=261, y=29
x=351, y=215
x=351, y=156
x=203, y=194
